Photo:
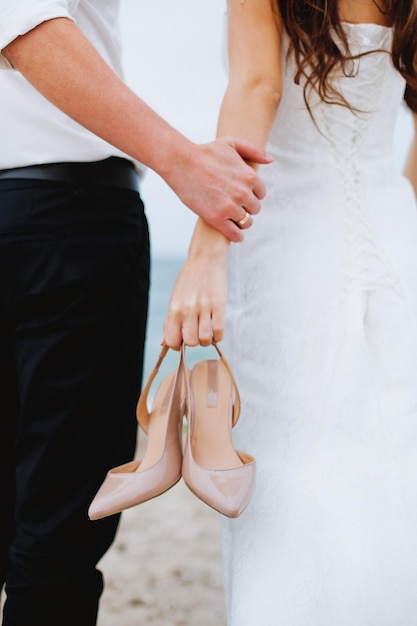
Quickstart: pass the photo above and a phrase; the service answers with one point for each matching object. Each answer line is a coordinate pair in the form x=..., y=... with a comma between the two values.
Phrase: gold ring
x=244, y=219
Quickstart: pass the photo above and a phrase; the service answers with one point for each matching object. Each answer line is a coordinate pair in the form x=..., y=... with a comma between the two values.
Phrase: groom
x=74, y=259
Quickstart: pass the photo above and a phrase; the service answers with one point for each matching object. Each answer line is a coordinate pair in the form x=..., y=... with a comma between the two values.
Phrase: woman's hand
x=198, y=301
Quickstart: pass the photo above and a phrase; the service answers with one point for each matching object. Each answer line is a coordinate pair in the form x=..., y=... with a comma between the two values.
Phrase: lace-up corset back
x=373, y=88
x=322, y=336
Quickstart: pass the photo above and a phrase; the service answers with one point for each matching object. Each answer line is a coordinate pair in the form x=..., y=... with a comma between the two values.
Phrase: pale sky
x=174, y=59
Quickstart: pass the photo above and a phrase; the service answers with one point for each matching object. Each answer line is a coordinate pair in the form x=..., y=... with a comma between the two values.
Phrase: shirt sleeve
x=18, y=17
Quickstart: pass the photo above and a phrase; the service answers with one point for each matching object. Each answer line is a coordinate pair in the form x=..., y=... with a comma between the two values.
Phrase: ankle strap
x=142, y=413
x=236, y=404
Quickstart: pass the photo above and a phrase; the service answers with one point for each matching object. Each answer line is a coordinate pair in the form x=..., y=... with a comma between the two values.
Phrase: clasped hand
x=216, y=182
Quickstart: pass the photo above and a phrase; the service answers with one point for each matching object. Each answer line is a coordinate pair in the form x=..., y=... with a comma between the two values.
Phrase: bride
x=321, y=322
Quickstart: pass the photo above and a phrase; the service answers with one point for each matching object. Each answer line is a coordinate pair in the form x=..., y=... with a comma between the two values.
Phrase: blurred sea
x=164, y=272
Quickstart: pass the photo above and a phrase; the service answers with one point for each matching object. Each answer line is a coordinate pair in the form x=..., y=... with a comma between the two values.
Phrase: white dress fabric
x=322, y=337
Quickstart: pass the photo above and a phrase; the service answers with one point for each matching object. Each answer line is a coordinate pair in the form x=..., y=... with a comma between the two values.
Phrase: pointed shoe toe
x=136, y=482
x=228, y=491
x=126, y=486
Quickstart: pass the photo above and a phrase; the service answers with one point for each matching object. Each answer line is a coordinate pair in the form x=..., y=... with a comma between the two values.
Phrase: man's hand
x=215, y=181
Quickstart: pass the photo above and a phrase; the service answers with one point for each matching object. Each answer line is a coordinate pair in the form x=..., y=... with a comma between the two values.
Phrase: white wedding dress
x=322, y=337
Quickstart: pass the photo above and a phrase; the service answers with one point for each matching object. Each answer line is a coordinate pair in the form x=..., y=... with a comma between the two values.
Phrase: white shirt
x=32, y=130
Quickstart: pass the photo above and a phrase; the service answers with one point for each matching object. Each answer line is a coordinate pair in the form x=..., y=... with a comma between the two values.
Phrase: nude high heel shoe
x=160, y=469
x=213, y=470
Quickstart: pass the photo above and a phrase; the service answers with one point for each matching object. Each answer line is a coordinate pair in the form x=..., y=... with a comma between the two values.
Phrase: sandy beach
x=164, y=568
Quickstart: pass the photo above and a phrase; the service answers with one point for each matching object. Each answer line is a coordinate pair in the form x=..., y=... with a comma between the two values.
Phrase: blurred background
x=174, y=57
x=172, y=53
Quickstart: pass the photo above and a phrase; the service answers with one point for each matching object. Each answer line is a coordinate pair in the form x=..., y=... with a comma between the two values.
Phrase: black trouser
x=74, y=274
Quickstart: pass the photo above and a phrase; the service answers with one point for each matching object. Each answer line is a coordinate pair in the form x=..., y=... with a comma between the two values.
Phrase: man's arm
x=213, y=179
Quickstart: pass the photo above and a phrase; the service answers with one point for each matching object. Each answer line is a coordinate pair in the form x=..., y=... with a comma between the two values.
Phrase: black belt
x=113, y=172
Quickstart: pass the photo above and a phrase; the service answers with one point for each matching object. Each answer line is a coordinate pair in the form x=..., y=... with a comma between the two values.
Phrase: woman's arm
x=213, y=180
x=198, y=301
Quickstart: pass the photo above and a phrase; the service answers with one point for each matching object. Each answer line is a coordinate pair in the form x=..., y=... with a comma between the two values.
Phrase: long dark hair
x=311, y=25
